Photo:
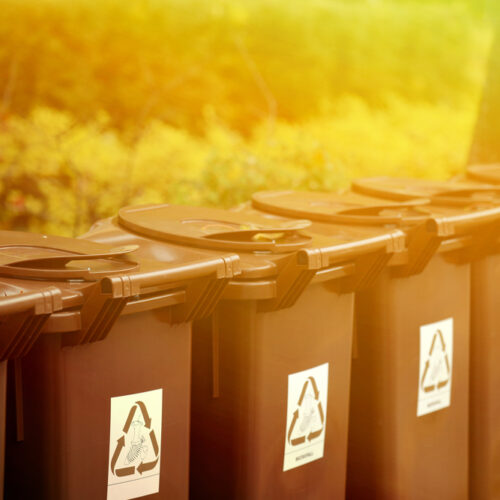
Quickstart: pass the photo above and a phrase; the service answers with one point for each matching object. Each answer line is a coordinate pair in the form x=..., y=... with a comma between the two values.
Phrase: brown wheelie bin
x=408, y=426
x=22, y=316
x=485, y=325
x=105, y=389
x=271, y=367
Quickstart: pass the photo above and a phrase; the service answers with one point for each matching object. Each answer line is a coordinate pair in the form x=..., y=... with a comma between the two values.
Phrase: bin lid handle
x=261, y=238
x=394, y=214
x=51, y=263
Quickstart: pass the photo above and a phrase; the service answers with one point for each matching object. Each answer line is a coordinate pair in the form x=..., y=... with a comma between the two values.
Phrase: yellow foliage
x=60, y=176
x=249, y=60
x=109, y=103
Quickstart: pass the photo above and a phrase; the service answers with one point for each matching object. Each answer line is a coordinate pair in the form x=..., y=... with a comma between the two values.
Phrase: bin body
x=485, y=373
x=106, y=387
x=271, y=367
x=484, y=438
x=67, y=393
x=3, y=405
x=485, y=380
x=393, y=453
x=239, y=436
x=22, y=315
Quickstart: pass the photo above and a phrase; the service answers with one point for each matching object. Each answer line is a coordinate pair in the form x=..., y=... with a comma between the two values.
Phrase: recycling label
x=436, y=363
x=306, y=416
x=135, y=445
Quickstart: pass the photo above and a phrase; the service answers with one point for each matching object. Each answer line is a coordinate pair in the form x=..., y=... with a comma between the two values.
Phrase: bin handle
x=44, y=301
x=425, y=239
x=460, y=225
x=369, y=258
x=201, y=281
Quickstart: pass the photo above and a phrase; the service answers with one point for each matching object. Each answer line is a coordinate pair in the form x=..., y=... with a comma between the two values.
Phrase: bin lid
x=214, y=228
x=461, y=194
x=341, y=208
x=37, y=256
x=485, y=173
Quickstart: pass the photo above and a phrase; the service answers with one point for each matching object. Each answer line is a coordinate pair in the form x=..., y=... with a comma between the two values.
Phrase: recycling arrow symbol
x=134, y=451
x=430, y=386
x=297, y=414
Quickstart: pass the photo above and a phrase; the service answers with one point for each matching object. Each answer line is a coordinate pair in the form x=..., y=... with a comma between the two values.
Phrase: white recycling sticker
x=135, y=445
x=436, y=363
x=306, y=416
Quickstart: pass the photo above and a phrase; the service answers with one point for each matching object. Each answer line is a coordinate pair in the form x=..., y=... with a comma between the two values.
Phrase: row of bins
x=408, y=429
x=312, y=345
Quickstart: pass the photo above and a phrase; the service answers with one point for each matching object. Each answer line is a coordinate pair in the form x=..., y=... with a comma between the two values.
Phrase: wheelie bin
x=408, y=426
x=22, y=316
x=104, y=392
x=271, y=367
x=485, y=325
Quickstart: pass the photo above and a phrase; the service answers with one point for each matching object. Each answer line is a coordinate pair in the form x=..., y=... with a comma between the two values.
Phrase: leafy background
x=110, y=103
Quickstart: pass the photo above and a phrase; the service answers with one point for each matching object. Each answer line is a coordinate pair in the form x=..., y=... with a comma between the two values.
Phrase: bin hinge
x=367, y=267
x=482, y=242
x=101, y=308
x=21, y=326
x=294, y=276
x=203, y=294
x=20, y=330
x=423, y=242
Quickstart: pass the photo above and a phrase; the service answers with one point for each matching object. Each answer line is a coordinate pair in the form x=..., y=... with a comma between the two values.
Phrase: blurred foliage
x=109, y=103
x=73, y=174
x=248, y=59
